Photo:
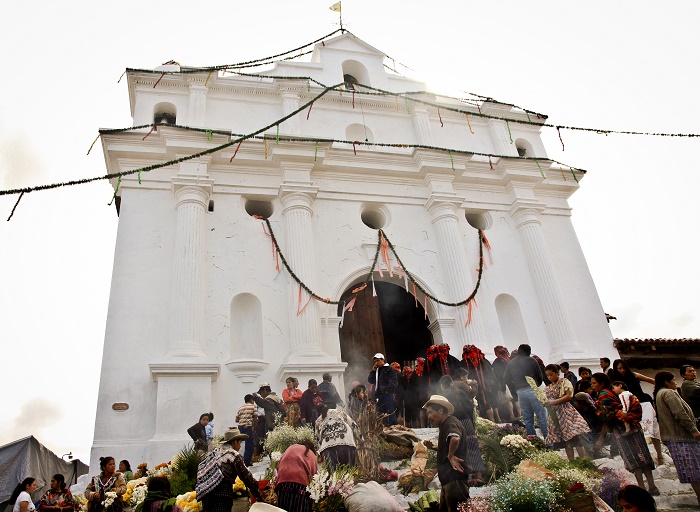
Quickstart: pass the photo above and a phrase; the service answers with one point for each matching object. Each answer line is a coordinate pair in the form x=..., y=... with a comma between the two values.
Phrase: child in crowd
x=627, y=399
x=209, y=431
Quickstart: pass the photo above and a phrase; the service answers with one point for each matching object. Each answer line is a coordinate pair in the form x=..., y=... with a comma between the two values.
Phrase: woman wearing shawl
x=409, y=409
x=439, y=362
x=633, y=447
x=158, y=497
x=650, y=426
x=107, y=481
x=482, y=372
x=499, y=368
x=58, y=498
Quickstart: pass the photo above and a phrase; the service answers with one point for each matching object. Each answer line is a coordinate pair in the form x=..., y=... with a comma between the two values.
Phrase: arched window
x=524, y=147
x=355, y=73
x=246, y=327
x=358, y=132
x=165, y=113
x=510, y=319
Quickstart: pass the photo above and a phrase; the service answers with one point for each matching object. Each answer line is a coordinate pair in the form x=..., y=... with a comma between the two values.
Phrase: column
x=501, y=138
x=198, y=104
x=421, y=123
x=453, y=259
x=290, y=102
x=187, y=292
x=305, y=329
x=557, y=322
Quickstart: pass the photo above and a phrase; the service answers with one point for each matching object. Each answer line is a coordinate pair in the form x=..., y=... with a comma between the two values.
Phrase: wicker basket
x=580, y=501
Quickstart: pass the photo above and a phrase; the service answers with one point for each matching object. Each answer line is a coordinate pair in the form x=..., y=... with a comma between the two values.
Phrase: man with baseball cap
x=453, y=471
x=385, y=381
x=271, y=403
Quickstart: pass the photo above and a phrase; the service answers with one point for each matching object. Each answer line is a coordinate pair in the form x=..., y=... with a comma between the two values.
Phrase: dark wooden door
x=361, y=336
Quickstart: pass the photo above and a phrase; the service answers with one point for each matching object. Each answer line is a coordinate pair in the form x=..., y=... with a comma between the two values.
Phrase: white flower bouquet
x=110, y=496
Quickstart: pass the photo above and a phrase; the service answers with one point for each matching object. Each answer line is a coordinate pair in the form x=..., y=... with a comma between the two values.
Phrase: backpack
x=209, y=475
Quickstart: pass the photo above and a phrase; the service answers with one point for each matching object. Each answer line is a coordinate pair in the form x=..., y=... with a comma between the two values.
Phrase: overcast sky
x=613, y=65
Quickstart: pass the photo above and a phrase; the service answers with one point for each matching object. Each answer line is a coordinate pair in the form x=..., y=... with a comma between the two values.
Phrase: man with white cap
x=453, y=471
x=385, y=381
x=271, y=403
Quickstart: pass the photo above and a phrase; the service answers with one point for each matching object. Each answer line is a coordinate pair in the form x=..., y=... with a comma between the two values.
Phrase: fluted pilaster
x=421, y=123
x=187, y=293
x=501, y=138
x=290, y=102
x=305, y=329
x=562, y=335
x=453, y=259
x=198, y=105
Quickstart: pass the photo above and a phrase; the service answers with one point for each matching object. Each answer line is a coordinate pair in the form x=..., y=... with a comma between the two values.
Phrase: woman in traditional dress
x=633, y=447
x=58, y=498
x=294, y=471
x=678, y=430
x=231, y=464
x=336, y=432
x=357, y=400
x=650, y=426
x=482, y=372
x=125, y=470
x=570, y=429
x=291, y=397
x=109, y=480
x=21, y=497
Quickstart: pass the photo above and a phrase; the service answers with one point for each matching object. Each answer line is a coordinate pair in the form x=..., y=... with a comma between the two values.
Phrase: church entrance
x=389, y=323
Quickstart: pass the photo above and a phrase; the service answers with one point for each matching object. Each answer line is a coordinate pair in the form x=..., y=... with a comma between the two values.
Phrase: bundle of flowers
x=110, y=496
x=328, y=490
x=141, y=470
x=188, y=502
x=507, y=430
x=515, y=493
x=284, y=435
x=239, y=489
x=518, y=445
x=483, y=426
x=81, y=502
x=135, y=491
x=275, y=458
x=164, y=469
x=567, y=478
x=481, y=503
x=611, y=481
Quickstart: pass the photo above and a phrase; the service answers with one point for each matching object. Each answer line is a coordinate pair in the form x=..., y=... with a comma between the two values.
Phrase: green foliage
x=584, y=464
x=185, y=463
x=499, y=460
x=432, y=460
x=550, y=460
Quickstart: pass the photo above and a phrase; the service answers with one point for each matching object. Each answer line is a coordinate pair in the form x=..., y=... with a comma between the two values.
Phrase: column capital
x=297, y=195
x=191, y=189
x=443, y=205
x=525, y=211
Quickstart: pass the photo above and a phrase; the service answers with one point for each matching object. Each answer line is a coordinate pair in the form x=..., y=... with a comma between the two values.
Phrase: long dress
x=633, y=447
x=571, y=423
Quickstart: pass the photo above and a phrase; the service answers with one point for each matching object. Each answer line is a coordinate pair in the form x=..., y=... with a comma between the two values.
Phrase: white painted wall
x=240, y=284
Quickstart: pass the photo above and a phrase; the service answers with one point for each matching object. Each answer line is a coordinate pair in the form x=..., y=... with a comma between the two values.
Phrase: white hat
x=442, y=401
x=264, y=384
x=378, y=355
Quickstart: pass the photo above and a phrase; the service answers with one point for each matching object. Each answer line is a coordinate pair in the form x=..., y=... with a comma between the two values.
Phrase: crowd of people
x=580, y=415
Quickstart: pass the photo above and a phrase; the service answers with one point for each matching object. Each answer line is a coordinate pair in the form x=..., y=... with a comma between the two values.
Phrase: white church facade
x=198, y=312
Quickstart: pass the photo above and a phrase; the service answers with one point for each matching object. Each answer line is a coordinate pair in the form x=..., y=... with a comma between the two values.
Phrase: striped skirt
x=476, y=462
x=633, y=448
x=293, y=497
x=686, y=458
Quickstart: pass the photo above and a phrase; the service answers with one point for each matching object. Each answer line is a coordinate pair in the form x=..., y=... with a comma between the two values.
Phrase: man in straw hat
x=230, y=462
x=453, y=472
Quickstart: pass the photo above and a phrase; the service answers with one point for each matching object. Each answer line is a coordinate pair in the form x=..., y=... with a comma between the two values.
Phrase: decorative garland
x=381, y=238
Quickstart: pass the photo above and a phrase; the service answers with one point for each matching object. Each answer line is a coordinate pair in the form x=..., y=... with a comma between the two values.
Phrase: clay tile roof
x=619, y=342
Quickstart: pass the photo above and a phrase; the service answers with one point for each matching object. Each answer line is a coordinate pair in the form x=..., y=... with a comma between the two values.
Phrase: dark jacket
x=388, y=380
x=273, y=406
x=330, y=394
x=198, y=434
x=520, y=367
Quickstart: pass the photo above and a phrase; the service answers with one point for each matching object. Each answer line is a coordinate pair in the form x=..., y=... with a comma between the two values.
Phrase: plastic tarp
x=28, y=457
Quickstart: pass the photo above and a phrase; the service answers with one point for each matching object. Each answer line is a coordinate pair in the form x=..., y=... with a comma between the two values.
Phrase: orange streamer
x=300, y=309
x=386, y=258
x=487, y=246
x=415, y=293
x=360, y=288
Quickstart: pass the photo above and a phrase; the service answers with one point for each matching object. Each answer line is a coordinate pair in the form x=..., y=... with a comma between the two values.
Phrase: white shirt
x=24, y=496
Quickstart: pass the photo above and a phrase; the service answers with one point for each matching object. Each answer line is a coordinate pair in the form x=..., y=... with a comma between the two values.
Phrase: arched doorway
x=389, y=323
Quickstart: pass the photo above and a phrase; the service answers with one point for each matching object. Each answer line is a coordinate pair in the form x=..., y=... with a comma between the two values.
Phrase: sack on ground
x=534, y=471
x=371, y=497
